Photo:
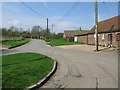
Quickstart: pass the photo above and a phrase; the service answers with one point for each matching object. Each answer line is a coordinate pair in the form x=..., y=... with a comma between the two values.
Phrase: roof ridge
x=109, y=19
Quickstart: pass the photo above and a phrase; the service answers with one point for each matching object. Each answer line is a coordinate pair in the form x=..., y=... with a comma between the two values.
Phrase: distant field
x=15, y=43
x=24, y=69
x=58, y=42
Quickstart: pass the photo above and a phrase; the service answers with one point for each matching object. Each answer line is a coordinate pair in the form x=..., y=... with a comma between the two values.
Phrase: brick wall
x=83, y=39
x=105, y=42
x=114, y=41
x=91, y=39
x=103, y=39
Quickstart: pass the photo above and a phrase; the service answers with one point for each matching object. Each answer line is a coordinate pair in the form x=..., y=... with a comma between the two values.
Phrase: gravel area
x=90, y=48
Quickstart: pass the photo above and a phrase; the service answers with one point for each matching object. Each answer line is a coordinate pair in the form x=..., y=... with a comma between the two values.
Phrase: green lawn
x=14, y=43
x=24, y=69
x=59, y=42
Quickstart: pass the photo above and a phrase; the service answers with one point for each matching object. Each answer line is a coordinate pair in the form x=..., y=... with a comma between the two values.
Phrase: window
x=118, y=37
x=109, y=37
x=95, y=35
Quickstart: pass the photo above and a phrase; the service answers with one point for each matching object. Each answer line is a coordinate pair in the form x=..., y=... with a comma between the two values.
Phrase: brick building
x=69, y=34
x=82, y=37
x=108, y=33
x=60, y=34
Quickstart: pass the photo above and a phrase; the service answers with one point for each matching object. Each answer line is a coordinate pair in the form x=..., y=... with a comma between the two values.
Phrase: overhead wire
x=67, y=13
x=39, y=15
x=106, y=9
x=55, y=24
x=31, y=9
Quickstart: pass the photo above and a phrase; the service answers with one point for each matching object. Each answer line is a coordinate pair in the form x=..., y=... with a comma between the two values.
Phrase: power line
x=106, y=9
x=35, y=13
x=67, y=13
x=31, y=8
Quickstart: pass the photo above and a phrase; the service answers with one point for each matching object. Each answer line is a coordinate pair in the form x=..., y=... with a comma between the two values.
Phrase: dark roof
x=106, y=26
x=109, y=25
x=84, y=32
x=60, y=34
x=71, y=33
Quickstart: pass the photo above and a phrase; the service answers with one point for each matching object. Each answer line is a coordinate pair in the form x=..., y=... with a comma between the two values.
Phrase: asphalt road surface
x=76, y=69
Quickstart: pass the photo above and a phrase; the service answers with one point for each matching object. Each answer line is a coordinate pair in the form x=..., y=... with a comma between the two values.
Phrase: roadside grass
x=15, y=43
x=59, y=42
x=24, y=69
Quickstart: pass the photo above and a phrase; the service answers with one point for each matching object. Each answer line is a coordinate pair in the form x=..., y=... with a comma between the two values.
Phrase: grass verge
x=15, y=43
x=59, y=42
x=24, y=69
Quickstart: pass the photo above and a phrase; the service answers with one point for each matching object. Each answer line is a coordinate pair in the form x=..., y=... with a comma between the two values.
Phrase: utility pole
x=52, y=28
x=52, y=32
x=96, y=24
x=47, y=30
x=80, y=29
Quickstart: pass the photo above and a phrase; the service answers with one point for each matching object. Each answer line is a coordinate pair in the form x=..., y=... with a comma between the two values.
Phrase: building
x=82, y=37
x=108, y=33
x=69, y=34
x=60, y=34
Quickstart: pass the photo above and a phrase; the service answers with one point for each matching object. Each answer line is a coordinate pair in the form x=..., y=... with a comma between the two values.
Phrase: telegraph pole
x=52, y=32
x=96, y=24
x=52, y=28
x=47, y=29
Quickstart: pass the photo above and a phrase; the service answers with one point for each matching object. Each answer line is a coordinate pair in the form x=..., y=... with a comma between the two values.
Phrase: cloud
x=59, y=25
x=15, y=22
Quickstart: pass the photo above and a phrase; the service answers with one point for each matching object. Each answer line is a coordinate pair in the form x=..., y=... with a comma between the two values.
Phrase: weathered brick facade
x=106, y=42
x=91, y=39
x=69, y=34
x=102, y=38
x=83, y=39
x=108, y=31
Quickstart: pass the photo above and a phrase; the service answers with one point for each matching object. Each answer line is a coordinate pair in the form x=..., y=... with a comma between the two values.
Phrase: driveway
x=76, y=69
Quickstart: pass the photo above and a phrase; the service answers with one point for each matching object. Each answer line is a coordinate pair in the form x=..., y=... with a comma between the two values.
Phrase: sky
x=63, y=15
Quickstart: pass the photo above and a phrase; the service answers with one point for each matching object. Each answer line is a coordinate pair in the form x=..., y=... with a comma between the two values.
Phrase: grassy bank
x=59, y=42
x=24, y=69
x=15, y=43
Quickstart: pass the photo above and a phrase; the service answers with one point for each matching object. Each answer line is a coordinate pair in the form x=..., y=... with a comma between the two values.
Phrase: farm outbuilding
x=108, y=33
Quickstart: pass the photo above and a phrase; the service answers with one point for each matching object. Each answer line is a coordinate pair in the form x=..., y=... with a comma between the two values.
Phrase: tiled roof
x=60, y=34
x=109, y=25
x=72, y=33
x=84, y=32
x=112, y=24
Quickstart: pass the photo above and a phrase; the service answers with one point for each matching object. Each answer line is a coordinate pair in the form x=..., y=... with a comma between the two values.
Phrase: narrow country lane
x=76, y=69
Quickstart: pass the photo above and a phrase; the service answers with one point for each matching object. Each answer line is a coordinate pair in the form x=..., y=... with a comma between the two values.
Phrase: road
x=76, y=69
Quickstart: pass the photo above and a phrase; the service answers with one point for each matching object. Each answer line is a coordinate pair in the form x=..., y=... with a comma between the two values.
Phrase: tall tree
x=36, y=31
